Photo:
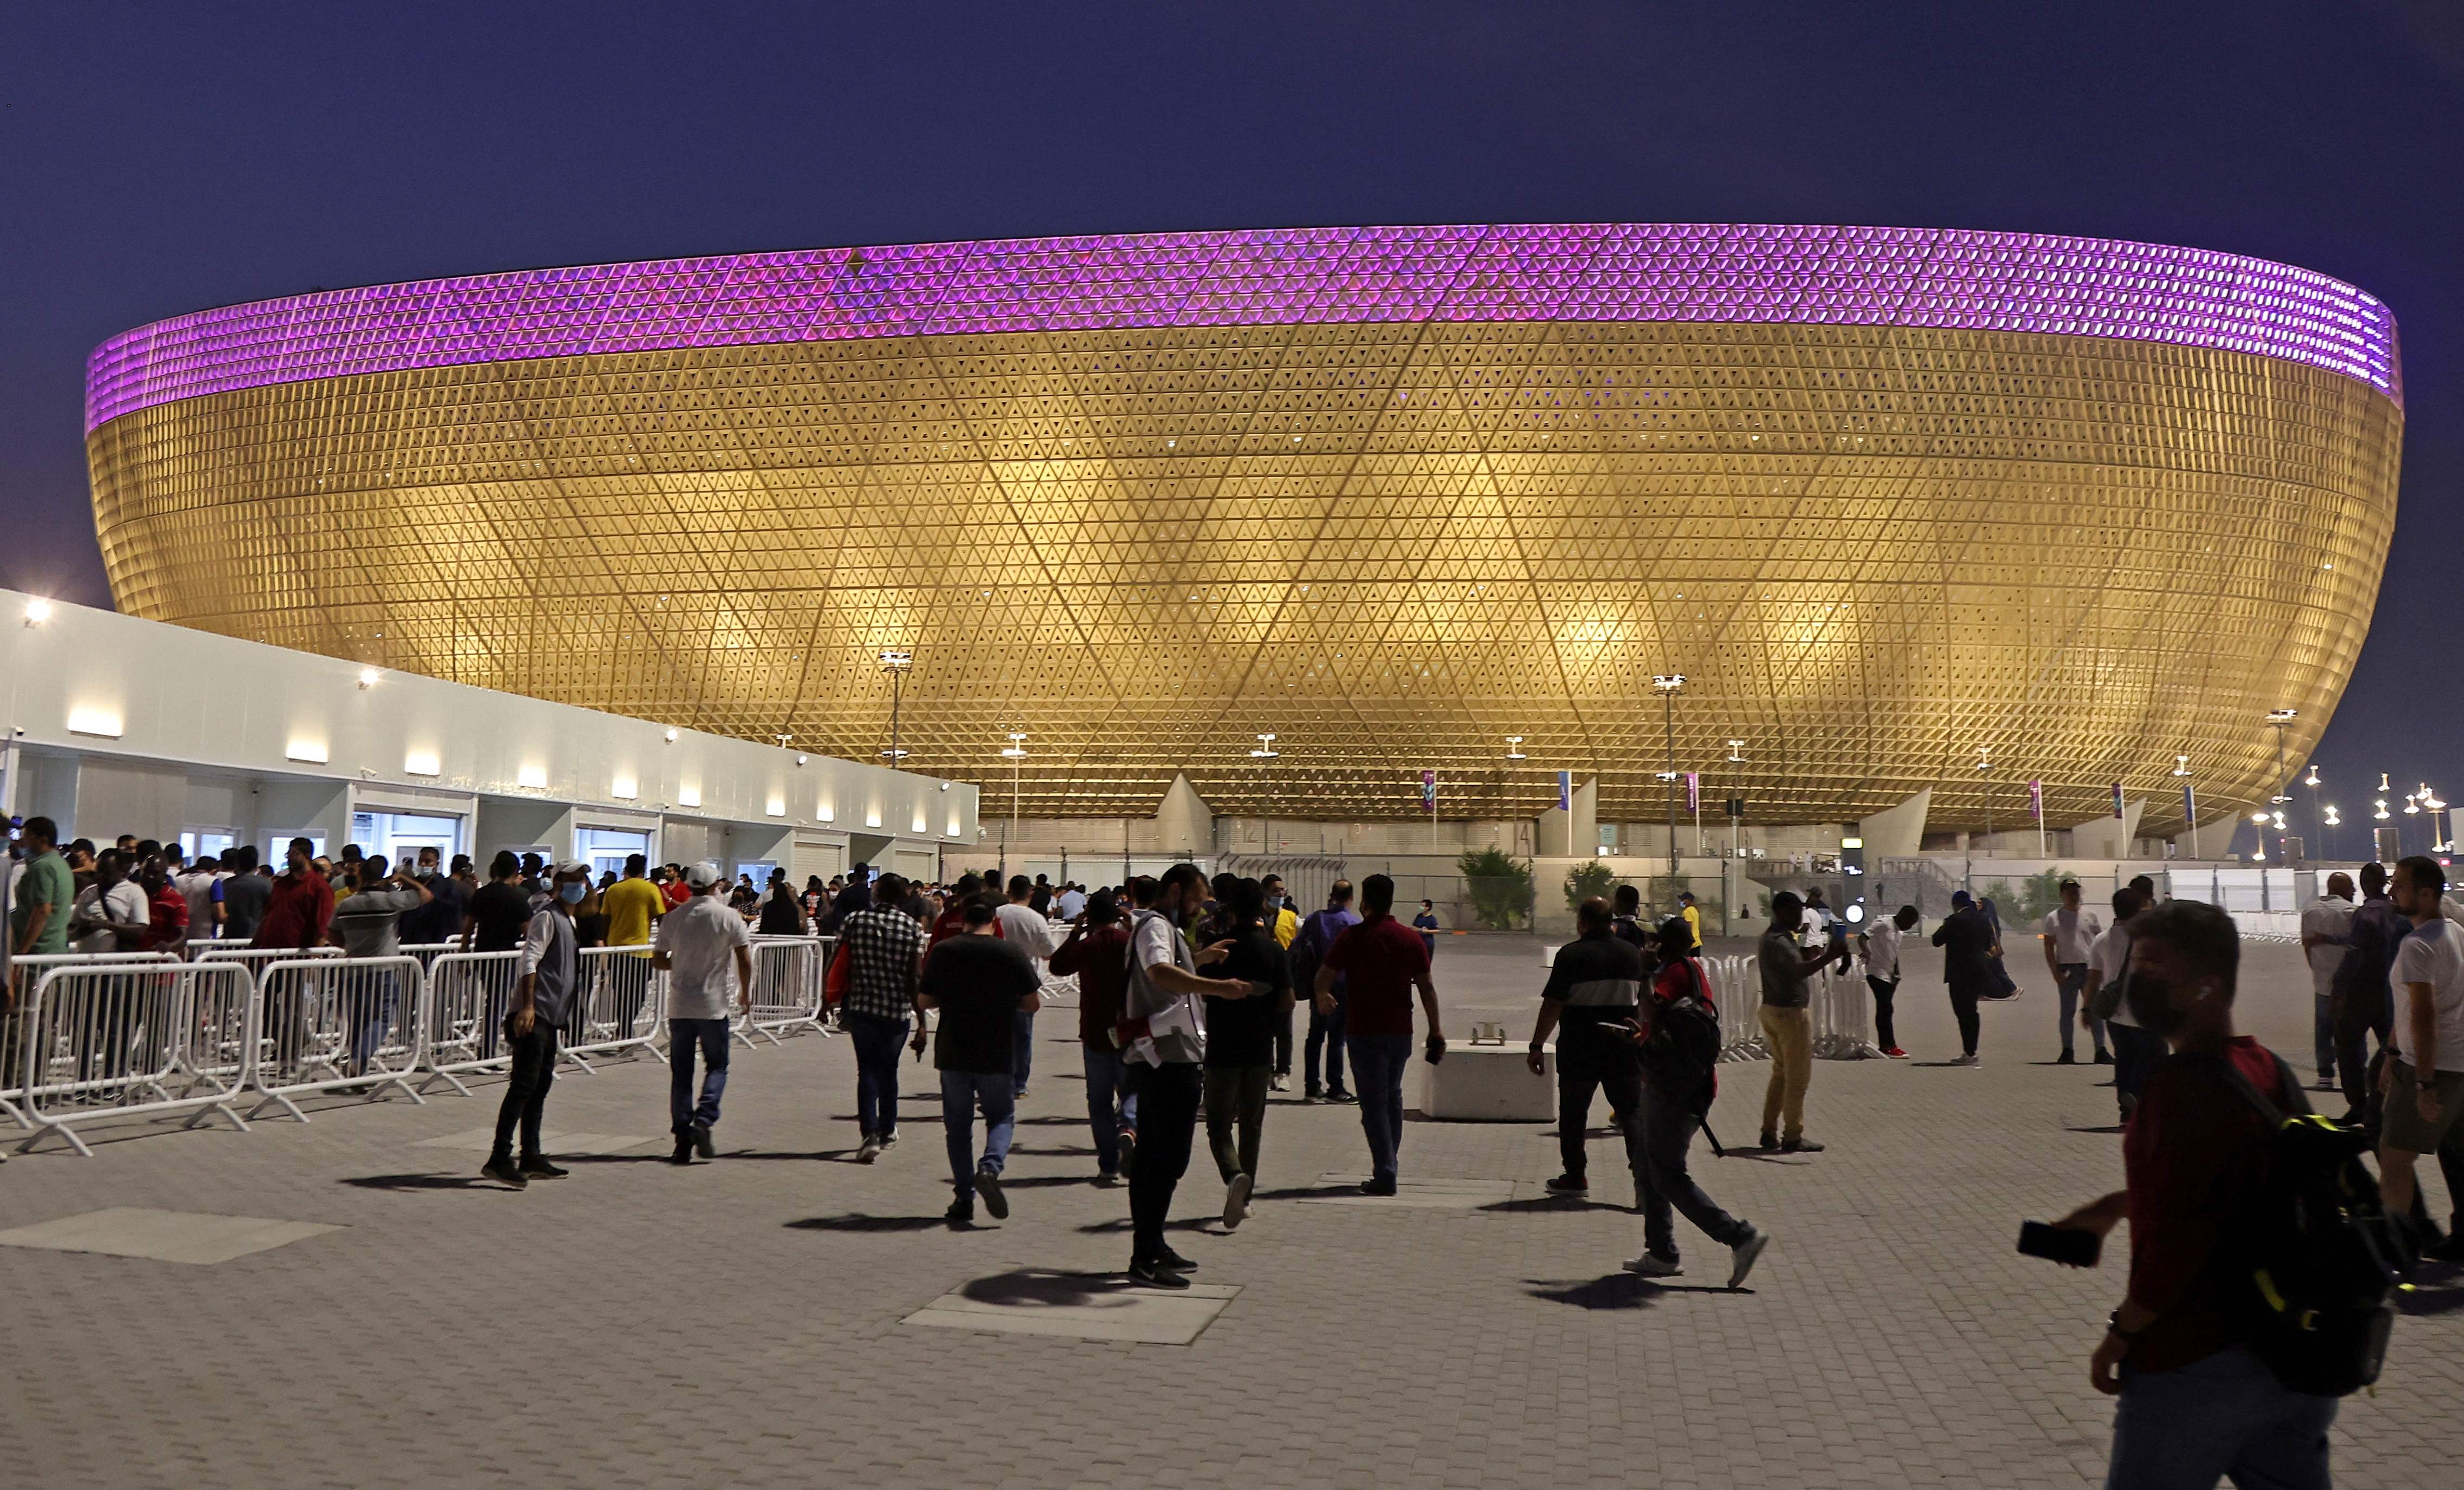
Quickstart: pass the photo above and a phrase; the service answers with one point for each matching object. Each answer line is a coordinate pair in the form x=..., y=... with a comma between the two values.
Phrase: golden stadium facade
x=1890, y=499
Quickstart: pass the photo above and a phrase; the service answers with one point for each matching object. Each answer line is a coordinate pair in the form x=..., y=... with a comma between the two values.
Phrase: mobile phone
x=2060, y=1244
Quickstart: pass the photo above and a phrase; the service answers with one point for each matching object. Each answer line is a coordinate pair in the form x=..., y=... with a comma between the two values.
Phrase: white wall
x=116, y=722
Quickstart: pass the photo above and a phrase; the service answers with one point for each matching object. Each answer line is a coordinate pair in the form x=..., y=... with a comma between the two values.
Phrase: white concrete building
x=123, y=725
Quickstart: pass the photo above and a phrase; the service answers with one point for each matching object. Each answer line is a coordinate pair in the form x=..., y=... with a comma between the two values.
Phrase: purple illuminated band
x=1579, y=272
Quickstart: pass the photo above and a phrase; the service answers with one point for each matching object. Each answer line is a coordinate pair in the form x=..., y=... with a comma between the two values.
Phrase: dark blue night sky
x=159, y=159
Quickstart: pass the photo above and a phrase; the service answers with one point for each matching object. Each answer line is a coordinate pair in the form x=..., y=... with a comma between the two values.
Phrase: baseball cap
x=702, y=876
x=572, y=866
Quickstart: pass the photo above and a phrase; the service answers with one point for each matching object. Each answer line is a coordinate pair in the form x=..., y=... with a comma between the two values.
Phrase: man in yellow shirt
x=1693, y=917
x=1284, y=924
x=633, y=903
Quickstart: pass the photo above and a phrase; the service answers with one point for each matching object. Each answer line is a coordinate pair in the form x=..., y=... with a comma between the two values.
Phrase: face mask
x=572, y=894
x=2151, y=1004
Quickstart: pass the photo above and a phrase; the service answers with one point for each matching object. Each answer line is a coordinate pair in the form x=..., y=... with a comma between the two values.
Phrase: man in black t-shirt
x=1594, y=980
x=980, y=983
x=1240, y=1025
x=492, y=920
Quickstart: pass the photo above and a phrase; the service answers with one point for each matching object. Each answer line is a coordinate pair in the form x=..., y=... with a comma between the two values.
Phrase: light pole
x=2189, y=800
x=2279, y=720
x=1985, y=776
x=1264, y=755
x=2316, y=823
x=2327, y=825
x=1728, y=870
x=1016, y=755
x=896, y=664
x=1668, y=684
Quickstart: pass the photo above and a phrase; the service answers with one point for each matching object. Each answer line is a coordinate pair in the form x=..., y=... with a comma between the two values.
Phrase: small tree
x=1586, y=880
x=1499, y=886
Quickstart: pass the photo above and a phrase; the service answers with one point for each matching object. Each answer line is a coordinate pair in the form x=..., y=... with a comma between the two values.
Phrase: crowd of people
x=1188, y=991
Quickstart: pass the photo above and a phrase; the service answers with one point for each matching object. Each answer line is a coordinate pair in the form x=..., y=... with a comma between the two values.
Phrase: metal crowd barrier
x=118, y=1039
x=258, y=959
x=25, y=975
x=462, y=1015
x=622, y=1004
x=1736, y=986
x=199, y=947
x=337, y=1024
x=786, y=988
x=1842, y=1015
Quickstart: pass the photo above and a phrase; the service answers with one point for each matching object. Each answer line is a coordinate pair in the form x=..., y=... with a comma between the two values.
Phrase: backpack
x=2323, y=1253
x=1685, y=1042
x=1308, y=951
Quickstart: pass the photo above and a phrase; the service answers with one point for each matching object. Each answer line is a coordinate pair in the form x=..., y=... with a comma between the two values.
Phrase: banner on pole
x=2037, y=801
x=1428, y=792
x=2189, y=804
x=1694, y=791
x=1565, y=791
x=2117, y=799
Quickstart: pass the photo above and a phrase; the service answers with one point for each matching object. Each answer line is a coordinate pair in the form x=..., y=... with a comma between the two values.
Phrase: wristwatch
x=2113, y=1326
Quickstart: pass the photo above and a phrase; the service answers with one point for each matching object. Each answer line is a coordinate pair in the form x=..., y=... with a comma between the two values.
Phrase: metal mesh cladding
x=1887, y=498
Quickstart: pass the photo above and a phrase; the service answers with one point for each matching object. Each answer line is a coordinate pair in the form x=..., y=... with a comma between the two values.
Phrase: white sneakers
x=1967, y=1060
x=1235, y=1200
x=871, y=1150
x=1744, y=1255
x=1651, y=1265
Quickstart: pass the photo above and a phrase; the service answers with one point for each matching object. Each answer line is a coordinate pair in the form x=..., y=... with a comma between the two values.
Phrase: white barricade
x=117, y=1039
x=462, y=1017
x=621, y=1004
x=427, y=952
x=786, y=989
x=1842, y=1015
x=335, y=1025
x=25, y=973
x=198, y=947
x=258, y=959
x=1737, y=988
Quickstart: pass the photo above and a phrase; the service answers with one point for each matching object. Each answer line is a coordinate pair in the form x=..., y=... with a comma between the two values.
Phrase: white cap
x=572, y=866
x=703, y=875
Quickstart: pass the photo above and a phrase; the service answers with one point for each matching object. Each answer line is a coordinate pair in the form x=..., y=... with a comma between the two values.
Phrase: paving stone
x=1084, y=1306
x=162, y=1236
x=557, y=1336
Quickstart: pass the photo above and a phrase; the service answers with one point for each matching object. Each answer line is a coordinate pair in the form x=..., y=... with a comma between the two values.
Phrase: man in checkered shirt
x=886, y=949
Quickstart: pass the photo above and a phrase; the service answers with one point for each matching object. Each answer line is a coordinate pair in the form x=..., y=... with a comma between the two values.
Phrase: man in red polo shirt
x=298, y=907
x=1380, y=961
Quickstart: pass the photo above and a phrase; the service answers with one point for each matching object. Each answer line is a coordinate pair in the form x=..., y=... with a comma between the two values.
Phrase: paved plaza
x=377, y=1316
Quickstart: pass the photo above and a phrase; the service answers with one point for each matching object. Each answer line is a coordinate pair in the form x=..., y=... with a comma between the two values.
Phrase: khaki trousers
x=1789, y=1033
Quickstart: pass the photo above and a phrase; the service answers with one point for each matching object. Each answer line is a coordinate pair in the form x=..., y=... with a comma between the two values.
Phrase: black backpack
x=2322, y=1254
x=1685, y=1042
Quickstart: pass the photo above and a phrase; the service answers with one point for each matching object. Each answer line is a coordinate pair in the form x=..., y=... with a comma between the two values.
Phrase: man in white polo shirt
x=2424, y=1085
x=703, y=946
x=2067, y=932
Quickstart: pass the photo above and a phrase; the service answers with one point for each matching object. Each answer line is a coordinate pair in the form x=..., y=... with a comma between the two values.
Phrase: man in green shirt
x=38, y=917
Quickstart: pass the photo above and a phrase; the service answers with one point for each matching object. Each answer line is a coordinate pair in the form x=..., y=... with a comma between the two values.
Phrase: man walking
x=1031, y=932
x=1783, y=966
x=1097, y=954
x=2326, y=931
x=1966, y=940
x=1256, y=988
x=1881, y=947
x=2067, y=932
x=2423, y=1087
x=1678, y=1042
x=635, y=906
x=545, y=996
x=1327, y=1018
x=1591, y=998
x=1285, y=924
x=698, y=944
x=885, y=951
x=2197, y=1404
x=978, y=981
x=1163, y=1025
x=1380, y=961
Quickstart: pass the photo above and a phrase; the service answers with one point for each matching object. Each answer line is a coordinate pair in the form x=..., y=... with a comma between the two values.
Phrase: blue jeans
x=1111, y=1107
x=878, y=1044
x=684, y=1115
x=1324, y=1030
x=2069, y=985
x=2322, y=1035
x=1021, y=1050
x=2224, y=1416
x=1377, y=1062
x=961, y=1091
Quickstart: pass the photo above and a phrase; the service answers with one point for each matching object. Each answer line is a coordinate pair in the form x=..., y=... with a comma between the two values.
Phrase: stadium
x=1893, y=502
